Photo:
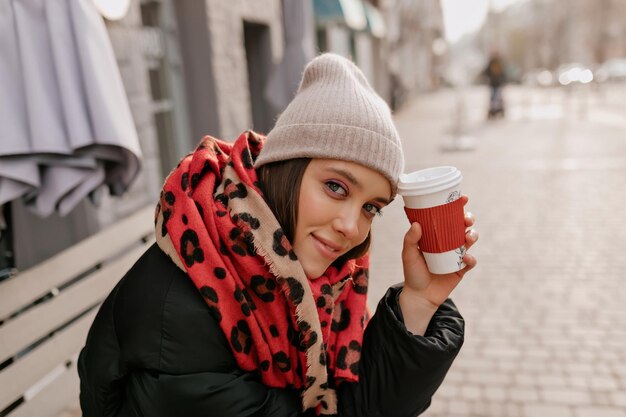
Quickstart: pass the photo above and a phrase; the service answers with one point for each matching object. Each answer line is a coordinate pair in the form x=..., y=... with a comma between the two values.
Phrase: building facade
x=197, y=67
x=544, y=34
x=189, y=68
x=391, y=41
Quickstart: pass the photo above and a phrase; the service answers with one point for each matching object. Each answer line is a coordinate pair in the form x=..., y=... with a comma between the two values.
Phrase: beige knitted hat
x=336, y=115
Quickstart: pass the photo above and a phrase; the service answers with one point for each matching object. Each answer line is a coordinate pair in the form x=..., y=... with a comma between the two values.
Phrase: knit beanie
x=336, y=115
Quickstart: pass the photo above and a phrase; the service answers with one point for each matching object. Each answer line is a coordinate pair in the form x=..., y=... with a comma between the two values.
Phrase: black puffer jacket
x=155, y=350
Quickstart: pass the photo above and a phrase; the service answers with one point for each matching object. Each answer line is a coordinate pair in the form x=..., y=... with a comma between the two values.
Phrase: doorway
x=259, y=61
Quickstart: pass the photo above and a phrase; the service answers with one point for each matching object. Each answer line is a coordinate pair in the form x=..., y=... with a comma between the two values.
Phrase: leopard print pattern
x=300, y=297
x=214, y=224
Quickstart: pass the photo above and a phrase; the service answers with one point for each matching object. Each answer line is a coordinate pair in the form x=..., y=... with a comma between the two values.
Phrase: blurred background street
x=526, y=97
x=544, y=308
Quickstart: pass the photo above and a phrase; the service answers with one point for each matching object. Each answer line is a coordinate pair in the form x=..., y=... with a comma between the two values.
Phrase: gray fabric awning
x=65, y=122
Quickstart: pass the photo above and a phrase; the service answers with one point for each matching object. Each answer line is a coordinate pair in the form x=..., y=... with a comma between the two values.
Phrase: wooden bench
x=46, y=311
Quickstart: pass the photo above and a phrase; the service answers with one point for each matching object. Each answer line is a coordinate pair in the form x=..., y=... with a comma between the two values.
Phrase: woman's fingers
x=409, y=249
x=413, y=261
x=469, y=219
x=413, y=235
x=471, y=236
x=470, y=262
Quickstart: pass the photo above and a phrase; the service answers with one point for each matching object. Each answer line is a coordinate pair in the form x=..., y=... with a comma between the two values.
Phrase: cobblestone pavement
x=545, y=308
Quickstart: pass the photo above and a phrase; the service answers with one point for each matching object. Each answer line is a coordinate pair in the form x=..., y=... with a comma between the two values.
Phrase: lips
x=327, y=248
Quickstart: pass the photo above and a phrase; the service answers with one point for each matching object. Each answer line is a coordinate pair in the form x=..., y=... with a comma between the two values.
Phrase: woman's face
x=338, y=201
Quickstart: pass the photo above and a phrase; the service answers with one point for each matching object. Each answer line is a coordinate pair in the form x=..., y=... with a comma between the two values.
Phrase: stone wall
x=225, y=24
x=224, y=50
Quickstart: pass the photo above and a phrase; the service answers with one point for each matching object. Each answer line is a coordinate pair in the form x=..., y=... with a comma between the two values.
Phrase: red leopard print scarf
x=214, y=224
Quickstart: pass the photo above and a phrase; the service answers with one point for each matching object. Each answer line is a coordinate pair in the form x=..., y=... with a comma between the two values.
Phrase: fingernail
x=473, y=234
x=469, y=214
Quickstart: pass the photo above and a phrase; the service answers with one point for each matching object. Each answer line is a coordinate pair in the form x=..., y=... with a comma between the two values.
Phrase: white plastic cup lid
x=428, y=181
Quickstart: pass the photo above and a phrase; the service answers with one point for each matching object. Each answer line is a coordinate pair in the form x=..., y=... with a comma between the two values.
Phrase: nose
x=347, y=222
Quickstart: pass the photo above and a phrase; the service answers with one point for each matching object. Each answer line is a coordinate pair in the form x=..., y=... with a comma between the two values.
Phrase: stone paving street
x=545, y=308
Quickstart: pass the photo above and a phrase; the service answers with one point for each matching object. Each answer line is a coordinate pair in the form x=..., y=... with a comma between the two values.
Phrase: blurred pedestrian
x=495, y=73
x=252, y=302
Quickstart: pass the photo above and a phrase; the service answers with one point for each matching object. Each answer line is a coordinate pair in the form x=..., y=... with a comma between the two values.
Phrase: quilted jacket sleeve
x=400, y=372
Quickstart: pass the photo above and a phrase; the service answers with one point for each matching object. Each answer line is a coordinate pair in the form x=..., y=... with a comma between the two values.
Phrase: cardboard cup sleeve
x=443, y=227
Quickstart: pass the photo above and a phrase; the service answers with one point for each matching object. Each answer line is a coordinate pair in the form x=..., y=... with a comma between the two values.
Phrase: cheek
x=312, y=208
x=365, y=225
x=305, y=209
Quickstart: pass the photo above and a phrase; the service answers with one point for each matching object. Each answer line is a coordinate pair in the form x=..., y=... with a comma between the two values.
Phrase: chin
x=315, y=271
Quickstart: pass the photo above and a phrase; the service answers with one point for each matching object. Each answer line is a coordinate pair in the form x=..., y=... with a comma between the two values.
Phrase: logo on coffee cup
x=454, y=195
x=461, y=252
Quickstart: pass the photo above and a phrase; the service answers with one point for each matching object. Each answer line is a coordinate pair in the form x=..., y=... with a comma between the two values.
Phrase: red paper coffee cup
x=432, y=198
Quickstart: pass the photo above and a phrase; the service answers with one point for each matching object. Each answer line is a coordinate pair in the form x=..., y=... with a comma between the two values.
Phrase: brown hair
x=280, y=183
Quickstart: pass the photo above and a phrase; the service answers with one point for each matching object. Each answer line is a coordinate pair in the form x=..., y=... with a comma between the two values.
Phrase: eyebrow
x=355, y=182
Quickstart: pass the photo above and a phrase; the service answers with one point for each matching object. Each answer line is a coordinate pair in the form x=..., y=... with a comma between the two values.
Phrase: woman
x=253, y=300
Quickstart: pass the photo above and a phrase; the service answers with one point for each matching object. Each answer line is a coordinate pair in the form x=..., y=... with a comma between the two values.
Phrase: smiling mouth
x=329, y=251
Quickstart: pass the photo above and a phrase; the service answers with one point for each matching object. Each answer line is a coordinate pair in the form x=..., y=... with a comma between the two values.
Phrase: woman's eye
x=372, y=209
x=336, y=188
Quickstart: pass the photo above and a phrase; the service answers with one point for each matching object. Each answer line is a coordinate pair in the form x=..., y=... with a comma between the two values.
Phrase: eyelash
x=379, y=211
x=332, y=184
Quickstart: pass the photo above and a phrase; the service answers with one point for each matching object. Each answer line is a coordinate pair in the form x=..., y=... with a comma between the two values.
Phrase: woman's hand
x=424, y=292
